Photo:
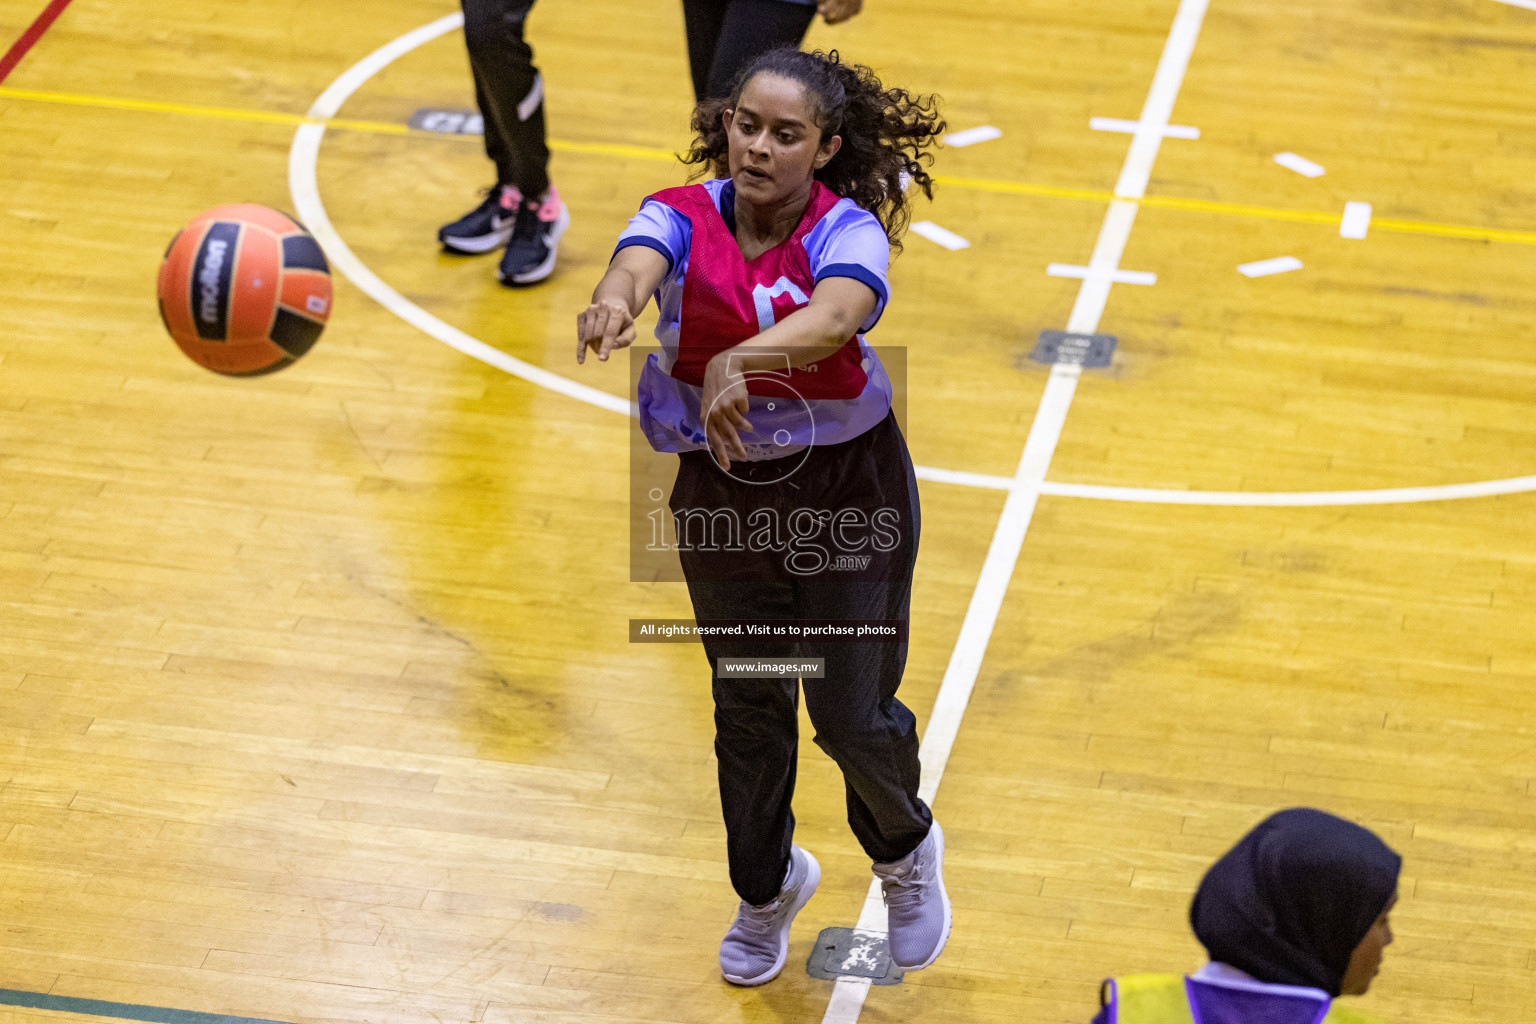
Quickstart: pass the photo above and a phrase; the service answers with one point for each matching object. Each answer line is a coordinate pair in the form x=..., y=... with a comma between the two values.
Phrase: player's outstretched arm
x=609, y=322
x=838, y=308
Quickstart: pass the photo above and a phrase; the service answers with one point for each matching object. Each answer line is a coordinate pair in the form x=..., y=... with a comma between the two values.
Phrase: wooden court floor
x=316, y=696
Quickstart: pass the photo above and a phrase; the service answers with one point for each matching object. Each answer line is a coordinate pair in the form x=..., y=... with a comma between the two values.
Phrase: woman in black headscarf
x=1292, y=916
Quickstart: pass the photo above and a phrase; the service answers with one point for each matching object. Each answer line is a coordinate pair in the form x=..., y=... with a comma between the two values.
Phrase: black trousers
x=724, y=36
x=859, y=722
x=509, y=92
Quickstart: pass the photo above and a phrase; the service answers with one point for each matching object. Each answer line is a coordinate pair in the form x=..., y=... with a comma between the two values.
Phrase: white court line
x=963, y=479
x=1263, y=268
x=1357, y=220
x=1529, y=5
x=304, y=155
x=1300, y=164
x=1248, y=499
x=971, y=136
x=939, y=236
x=1295, y=499
x=986, y=603
x=1115, y=124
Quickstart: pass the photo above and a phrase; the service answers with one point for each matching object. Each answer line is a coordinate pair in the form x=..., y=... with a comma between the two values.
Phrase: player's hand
x=835, y=11
x=603, y=327
x=723, y=411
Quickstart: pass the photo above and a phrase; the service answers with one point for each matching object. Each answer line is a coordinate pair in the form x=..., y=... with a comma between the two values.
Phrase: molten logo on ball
x=209, y=279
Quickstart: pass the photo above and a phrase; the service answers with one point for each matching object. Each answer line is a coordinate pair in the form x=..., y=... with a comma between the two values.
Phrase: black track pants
x=858, y=720
x=509, y=91
x=725, y=36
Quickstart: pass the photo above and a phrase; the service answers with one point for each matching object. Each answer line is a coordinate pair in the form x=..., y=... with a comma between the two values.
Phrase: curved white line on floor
x=302, y=160
x=304, y=156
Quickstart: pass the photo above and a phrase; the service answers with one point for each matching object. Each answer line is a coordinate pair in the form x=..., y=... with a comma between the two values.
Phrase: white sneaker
x=754, y=950
x=916, y=905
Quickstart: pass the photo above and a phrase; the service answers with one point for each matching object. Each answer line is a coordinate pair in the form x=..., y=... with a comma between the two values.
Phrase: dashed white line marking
x=1263, y=268
x=1300, y=164
x=940, y=236
x=971, y=136
x=1357, y=220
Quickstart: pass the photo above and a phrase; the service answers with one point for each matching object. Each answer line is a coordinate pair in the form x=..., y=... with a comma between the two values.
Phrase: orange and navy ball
x=244, y=290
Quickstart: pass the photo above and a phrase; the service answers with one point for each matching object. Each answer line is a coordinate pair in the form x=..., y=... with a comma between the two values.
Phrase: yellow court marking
x=193, y=110
x=1247, y=210
x=609, y=149
x=1019, y=188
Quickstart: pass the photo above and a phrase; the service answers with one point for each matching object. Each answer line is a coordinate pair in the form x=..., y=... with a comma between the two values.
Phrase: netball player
x=766, y=278
x=522, y=211
x=725, y=36
x=1294, y=915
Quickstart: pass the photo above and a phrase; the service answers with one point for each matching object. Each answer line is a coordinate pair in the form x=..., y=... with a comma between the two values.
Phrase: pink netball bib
x=728, y=298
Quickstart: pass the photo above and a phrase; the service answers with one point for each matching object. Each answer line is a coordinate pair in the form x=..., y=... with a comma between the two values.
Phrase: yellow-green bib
x=1161, y=999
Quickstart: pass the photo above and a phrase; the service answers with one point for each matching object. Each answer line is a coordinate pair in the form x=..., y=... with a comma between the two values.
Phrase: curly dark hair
x=885, y=132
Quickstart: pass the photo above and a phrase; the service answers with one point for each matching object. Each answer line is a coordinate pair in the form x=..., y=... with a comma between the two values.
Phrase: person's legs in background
x=701, y=21
x=751, y=28
x=725, y=36
x=524, y=208
x=489, y=225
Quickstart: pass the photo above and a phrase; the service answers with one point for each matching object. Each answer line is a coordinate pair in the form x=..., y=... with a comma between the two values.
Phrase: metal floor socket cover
x=1090, y=351
x=845, y=953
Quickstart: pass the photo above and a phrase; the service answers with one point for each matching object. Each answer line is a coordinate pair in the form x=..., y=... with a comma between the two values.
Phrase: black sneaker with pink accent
x=486, y=227
x=530, y=255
